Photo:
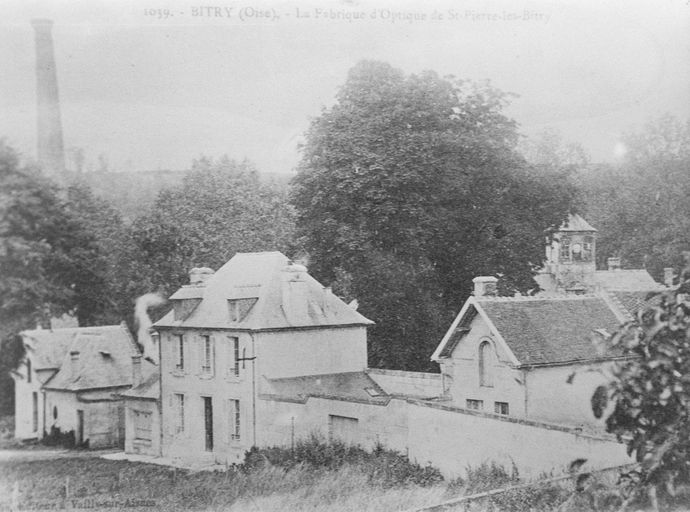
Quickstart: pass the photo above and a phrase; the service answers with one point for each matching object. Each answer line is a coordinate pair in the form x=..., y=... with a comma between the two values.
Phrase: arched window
x=486, y=364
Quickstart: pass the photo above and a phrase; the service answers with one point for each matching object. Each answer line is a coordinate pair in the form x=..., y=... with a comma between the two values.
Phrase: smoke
x=144, y=323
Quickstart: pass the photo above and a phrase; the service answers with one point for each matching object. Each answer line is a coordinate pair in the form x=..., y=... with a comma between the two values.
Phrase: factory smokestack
x=51, y=153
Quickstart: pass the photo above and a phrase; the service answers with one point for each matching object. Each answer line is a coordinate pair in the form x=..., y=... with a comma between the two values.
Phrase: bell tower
x=570, y=258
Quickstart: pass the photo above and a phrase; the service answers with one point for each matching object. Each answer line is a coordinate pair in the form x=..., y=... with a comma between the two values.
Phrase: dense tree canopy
x=221, y=208
x=419, y=178
x=640, y=206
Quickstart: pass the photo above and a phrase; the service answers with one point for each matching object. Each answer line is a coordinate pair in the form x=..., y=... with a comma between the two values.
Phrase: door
x=80, y=427
x=208, y=423
x=34, y=412
x=343, y=429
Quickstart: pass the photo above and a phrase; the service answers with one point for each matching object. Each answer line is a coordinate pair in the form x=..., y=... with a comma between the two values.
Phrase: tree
x=220, y=208
x=49, y=259
x=640, y=206
x=651, y=394
x=413, y=185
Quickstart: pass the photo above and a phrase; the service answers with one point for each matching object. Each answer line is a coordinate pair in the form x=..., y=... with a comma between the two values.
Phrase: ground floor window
x=476, y=405
x=142, y=425
x=501, y=408
x=234, y=419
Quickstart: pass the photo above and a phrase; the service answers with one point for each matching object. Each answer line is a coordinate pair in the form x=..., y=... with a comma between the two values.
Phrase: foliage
x=640, y=206
x=651, y=392
x=410, y=186
x=382, y=467
x=220, y=208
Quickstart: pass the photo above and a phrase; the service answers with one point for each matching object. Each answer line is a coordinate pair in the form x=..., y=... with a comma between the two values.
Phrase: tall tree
x=221, y=208
x=640, y=205
x=421, y=172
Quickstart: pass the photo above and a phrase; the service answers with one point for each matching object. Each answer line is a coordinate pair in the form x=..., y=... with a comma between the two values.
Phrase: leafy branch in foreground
x=651, y=395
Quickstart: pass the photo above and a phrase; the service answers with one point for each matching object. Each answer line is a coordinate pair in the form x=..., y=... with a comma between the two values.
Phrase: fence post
x=67, y=487
x=14, y=506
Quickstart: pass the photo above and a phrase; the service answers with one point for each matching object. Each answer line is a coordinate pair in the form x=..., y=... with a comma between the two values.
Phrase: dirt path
x=30, y=455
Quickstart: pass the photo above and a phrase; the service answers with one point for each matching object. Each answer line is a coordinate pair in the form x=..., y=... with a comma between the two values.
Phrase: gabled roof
x=104, y=360
x=47, y=347
x=539, y=331
x=348, y=386
x=576, y=223
x=285, y=297
x=637, y=280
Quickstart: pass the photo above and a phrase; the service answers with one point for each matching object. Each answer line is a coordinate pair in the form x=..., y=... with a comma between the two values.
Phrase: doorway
x=208, y=423
x=80, y=427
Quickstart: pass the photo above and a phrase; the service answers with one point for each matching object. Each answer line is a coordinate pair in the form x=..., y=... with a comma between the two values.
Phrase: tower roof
x=577, y=223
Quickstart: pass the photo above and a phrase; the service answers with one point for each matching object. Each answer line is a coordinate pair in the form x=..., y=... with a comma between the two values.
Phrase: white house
x=69, y=381
x=231, y=335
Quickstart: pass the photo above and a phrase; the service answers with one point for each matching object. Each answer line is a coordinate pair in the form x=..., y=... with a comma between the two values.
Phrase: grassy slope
x=266, y=489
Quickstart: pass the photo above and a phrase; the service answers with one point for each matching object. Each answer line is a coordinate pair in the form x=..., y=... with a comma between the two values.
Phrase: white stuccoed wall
x=452, y=440
x=23, y=415
x=133, y=445
x=462, y=373
x=417, y=384
x=311, y=351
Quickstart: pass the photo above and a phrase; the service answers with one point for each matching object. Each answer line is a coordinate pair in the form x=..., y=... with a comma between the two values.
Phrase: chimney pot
x=485, y=286
x=199, y=275
x=668, y=276
x=613, y=263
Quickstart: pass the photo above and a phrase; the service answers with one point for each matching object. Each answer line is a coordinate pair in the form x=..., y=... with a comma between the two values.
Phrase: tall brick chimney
x=51, y=152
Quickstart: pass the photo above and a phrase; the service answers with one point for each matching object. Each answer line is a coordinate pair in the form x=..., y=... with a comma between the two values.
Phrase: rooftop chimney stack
x=51, y=152
x=485, y=286
x=613, y=263
x=199, y=275
x=668, y=276
x=136, y=370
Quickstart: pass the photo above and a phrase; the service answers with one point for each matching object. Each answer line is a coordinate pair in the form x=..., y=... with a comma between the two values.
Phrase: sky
x=155, y=84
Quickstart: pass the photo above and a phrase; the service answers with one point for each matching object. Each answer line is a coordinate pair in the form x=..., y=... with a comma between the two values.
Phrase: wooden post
x=14, y=506
x=67, y=487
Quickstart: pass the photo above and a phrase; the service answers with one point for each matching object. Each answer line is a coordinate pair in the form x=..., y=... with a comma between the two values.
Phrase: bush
x=382, y=467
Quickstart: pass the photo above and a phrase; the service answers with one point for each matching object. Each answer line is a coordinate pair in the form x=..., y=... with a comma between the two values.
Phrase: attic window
x=239, y=308
x=184, y=307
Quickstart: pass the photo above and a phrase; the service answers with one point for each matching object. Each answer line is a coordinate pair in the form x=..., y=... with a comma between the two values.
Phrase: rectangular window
x=179, y=352
x=234, y=419
x=476, y=405
x=28, y=370
x=235, y=363
x=142, y=425
x=207, y=356
x=178, y=400
x=501, y=408
x=208, y=423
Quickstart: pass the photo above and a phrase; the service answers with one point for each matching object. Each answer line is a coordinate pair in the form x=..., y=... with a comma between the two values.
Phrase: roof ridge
x=537, y=298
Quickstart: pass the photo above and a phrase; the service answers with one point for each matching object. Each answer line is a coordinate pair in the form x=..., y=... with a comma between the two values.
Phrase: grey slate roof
x=543, y=331
x=262, y=276
x=49, y=346
x=149, y=388
x=637, y=280
x=105, y=359
x=348, y=386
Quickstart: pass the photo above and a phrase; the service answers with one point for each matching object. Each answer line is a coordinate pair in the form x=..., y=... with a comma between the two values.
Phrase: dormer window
x=184, y=307
x=239, y=308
